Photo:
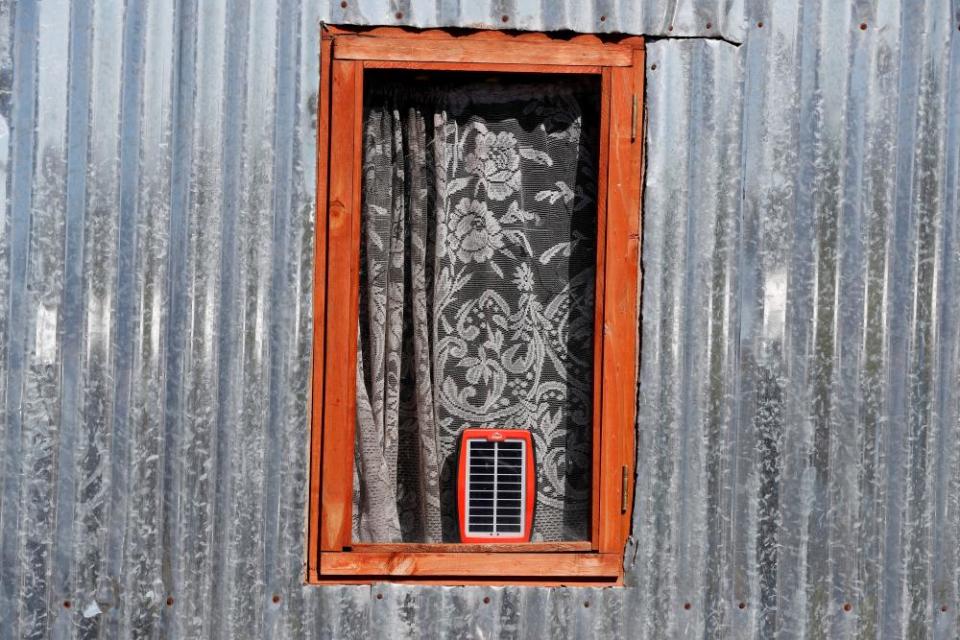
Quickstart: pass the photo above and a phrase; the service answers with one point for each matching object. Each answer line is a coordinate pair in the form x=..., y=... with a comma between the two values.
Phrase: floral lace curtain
x=477, y=295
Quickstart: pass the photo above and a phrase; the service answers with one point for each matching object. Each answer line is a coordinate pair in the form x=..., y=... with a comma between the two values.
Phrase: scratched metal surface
x=799, y=406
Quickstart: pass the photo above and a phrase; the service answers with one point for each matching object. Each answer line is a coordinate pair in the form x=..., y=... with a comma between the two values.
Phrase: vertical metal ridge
x=172, y=359
x=25, y=31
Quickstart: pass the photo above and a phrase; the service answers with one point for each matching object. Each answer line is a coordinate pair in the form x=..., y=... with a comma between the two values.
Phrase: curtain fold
x=476, y=303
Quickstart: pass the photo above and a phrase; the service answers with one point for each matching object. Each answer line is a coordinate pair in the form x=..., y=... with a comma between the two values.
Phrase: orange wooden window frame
x=331, y=556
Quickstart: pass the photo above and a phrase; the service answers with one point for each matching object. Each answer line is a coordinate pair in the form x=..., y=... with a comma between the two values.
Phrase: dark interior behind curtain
x=477, y=294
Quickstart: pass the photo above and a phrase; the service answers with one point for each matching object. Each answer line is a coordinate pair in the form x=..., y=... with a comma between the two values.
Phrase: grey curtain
x=477, y=294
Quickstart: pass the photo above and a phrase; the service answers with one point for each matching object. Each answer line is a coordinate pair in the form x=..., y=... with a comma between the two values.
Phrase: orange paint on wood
x=499, y=547
x=481, y=51
x=620, y=327
x=483, y=67
x=342, y=273
x=635, y=247
x=599, y=288
x=319, y=305
x=542, y=565
x=465, y=581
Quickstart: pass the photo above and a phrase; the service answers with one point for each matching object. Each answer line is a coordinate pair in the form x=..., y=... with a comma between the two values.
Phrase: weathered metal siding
x=677, y=18
x=799, y=422
x=799, y=390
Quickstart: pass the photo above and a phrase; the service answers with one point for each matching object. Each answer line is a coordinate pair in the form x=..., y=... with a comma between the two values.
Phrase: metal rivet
x=653, y=67
x=170, y=601
x=687, y=605
x=943, y=609
x=399, y=15
x=343, y=5
x=760, y=25
x=709, y=25
x=66, y=604
x=505, y=18
x=486, y=599
x=379, y=596
x=863, y=26
x=670, y=28
x=742, y=605
x=276, y=598
x=603, y=18
x=586, y=604
x=847, y=606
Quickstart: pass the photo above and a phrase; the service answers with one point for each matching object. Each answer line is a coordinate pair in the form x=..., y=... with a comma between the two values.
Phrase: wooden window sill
x=456, y=547
x=570, y=567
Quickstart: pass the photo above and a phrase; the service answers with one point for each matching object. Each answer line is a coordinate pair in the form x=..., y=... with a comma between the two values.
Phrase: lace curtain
x=477, y=295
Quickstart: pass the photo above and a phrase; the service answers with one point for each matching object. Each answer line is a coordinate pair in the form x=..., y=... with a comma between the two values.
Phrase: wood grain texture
x=472, y=581
x=523, y=547
x=629, y=448
x=342, y=282
x=319, y=308
x=599, y=300
x=542, y=565
x=481, y=67
x=481, y=51
x=620, y=325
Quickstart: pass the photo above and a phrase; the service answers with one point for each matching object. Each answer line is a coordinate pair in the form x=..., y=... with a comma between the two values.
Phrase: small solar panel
x=496, y=496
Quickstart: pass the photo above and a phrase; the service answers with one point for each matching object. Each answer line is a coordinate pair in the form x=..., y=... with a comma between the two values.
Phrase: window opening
x=477, y=280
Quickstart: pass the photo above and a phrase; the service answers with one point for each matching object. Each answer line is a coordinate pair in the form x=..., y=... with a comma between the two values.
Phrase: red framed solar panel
x=496, y=485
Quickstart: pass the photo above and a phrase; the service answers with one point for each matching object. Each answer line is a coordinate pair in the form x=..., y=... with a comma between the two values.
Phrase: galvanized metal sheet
x=672, y=18
x=799, y=416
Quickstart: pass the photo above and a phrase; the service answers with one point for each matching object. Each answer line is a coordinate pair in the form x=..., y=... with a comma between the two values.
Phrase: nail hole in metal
x=863, y=26
x=760, y=25
x=486, y=599
x=343, y=5
x=379, y=596
x=586, y=604
x=742, y=605
x=847, y=606
x=66, y=604
x=399, y=15
x=170, y=601
x=653, y=67
x=670, y=28
x=275, y=598
x=603, y=18
x=687, y=605
x=505, y=18
x=709, y=25
x=943, y=609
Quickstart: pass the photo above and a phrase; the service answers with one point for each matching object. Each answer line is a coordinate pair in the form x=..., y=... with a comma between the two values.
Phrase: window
x=478, y=198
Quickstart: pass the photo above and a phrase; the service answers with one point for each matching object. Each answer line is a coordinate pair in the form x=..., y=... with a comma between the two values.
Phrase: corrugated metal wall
x=799, y=422
x=801, y=336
